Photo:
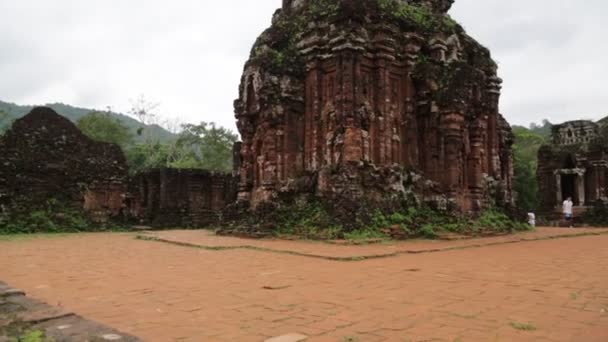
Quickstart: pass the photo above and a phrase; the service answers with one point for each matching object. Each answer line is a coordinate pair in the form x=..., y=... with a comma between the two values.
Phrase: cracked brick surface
x=548, y=290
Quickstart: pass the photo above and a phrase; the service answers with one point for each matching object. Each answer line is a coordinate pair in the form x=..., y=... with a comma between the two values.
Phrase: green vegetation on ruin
x=452, y=80
x=276, y=50
x=16, y=330
x=315, y=221
x=52, y=216
x=417, y=18
x=31, y=336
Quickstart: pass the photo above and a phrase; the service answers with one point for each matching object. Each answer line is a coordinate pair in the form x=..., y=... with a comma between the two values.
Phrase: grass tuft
x=523, y=326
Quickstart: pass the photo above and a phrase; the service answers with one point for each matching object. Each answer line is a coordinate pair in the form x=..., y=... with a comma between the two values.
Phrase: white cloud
x=189, y=54
x=551, y=55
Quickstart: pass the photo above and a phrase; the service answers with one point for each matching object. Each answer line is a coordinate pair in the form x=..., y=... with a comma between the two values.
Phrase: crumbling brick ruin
x=573, y=165
x=45, y=156
x=181, y=197
x=364, y=101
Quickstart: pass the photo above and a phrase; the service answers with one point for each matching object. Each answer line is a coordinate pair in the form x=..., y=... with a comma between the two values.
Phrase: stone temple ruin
x=364, y=101
x=573, y=165
x=44, y=156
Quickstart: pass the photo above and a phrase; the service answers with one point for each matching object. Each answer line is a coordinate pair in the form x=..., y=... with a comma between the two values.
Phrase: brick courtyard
x=206, y=288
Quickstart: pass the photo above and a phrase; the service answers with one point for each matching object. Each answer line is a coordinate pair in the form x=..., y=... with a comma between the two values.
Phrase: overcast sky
x=188, y=55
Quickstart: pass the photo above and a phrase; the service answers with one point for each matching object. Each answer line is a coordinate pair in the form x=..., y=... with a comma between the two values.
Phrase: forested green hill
x=11, y=111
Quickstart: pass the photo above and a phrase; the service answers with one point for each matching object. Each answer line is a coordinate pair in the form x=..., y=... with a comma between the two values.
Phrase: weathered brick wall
x=45, y=156
x=181, y=197
x=575, y=132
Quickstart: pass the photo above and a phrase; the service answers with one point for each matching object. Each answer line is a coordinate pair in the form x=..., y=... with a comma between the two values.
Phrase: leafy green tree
x=204, y=146
x=525, y=162
x=103, y=127
x=143, y=157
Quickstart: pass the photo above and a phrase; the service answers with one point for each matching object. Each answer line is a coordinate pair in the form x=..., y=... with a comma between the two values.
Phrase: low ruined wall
x=180, y=197
x=44, y=156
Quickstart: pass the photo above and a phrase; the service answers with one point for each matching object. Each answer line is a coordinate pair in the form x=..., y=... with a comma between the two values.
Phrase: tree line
x=525, y=162
x=195, y=146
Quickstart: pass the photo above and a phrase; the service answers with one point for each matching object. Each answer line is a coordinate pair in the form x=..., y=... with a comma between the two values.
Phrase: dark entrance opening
x=569, y=162
x=569, y=188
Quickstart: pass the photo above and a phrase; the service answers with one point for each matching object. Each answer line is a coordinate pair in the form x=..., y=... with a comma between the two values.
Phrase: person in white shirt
x=567, y=209
x=532, y=219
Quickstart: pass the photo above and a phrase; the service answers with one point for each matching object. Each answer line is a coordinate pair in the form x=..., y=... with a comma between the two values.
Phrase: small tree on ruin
x=103, y=127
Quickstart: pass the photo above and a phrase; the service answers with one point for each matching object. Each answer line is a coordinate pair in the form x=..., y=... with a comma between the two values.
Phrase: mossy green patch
x=53, y=216
x=315, y=220
x=417, y=18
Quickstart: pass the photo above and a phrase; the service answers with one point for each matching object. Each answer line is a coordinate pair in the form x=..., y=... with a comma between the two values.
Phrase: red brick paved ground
x=162, y=292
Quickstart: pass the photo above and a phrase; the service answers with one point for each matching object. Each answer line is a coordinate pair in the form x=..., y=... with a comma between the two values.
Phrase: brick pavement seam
x=263, y=249
x=51, y=318
x=364, y=257
x=12, y=293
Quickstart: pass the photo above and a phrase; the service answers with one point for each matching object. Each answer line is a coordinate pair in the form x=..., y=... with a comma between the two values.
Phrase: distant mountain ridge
x=15, y=111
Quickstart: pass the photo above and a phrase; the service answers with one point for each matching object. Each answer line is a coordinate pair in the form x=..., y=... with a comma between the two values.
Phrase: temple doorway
x=569, y=188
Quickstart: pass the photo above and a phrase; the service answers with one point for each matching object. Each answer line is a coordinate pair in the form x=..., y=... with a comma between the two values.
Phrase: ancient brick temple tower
x=372, y=99
x=574, y=164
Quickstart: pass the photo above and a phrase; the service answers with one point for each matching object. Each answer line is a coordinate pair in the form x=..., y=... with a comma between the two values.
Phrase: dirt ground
x=223, y=289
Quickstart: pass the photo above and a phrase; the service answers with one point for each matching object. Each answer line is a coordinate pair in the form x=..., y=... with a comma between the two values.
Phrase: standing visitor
x=532, y=219
x=567, y=209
